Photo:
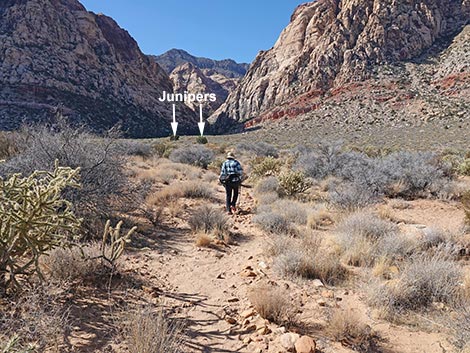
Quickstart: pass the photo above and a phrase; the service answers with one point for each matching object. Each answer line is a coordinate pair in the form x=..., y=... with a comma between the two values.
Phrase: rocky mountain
x=373, y=56
x=55, y=56
x=202, y=75
x=176, y=57
x=189, y=78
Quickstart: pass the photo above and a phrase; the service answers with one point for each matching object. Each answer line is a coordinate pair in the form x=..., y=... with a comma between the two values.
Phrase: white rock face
x=330, y=43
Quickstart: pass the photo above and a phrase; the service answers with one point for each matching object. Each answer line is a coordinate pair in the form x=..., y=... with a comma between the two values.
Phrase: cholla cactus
x=111, y=250
x=34, y=218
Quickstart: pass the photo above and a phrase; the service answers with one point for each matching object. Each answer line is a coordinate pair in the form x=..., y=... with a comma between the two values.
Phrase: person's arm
x=223, y=169
x=239, y=170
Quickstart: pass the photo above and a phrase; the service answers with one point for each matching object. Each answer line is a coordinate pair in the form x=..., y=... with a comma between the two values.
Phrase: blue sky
x=217, y=29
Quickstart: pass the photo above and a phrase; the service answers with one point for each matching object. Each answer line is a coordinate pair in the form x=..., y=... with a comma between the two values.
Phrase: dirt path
x=206, y=288
x=204, y=285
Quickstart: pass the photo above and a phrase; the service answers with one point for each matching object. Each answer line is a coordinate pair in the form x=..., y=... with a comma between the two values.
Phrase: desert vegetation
x=329, y=242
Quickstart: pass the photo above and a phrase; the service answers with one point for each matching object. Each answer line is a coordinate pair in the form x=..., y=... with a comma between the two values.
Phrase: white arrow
x=201, y=123
x=174, y=124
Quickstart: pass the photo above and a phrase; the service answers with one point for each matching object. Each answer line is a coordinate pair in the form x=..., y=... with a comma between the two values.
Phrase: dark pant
x=231, y=191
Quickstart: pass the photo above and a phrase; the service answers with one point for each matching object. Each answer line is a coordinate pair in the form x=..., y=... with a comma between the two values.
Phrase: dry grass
x=188, y=189
x=348, y=328
x=363, y=238
x=203, y=240
x=209, y=220
x=308, y=258
x=320, y=218
x=399, y=204
x=273, y=304
x=147, y=331
x=72, y=264
x=425, y=279
x=267, y=198
x=37, y=319
x=386, y=213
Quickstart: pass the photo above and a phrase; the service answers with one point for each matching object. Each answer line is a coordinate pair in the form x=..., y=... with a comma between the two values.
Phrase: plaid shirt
x=230, y=167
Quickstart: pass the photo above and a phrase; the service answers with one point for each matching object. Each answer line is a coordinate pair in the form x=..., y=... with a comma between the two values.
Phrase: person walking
x=231, y=176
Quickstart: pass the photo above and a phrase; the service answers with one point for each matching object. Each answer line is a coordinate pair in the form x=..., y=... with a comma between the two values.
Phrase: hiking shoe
x=233, y=209
x=229, y=213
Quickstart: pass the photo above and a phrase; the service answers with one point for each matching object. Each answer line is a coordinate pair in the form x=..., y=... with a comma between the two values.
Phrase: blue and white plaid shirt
x=230, y=167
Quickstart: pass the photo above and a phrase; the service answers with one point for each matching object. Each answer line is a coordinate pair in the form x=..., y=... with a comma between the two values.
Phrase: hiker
x=231, y=176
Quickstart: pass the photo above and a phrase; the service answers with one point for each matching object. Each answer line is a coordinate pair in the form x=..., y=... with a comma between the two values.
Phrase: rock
x=265, y=330
x=246, y=273
x=263, y=265
x=317, y=283
x=330, y=46
x=321, y=302
x=248, y=313
x=288, y=340
x=305, y=344
x=328, y=294
x=231, y=320
x=247, y=340
x=189, y=78
x=89, y=69
x=233, y=300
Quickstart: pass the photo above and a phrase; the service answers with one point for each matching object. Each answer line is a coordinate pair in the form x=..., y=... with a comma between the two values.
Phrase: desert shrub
x=208, y=219
x=415, y=171
x=105, y=189
x=35, y=218
x=264, y=167
x=323, y=161
x=349, y=329
x=273, y=222
x=267, y=198
x=273, y=304
x=398, y=174
x=293, y=211
x=162, y=149
x=293, y=183
x=189, y=189
x=135, y=148
x=466, y=206
x=147, y=331
x=196, y=190
x=203, y=240
x=260, y=149
x=69, y=264
x=424, y=279
x=308, y=260
x=363, y=237
x=267, y=185
x=434, y=238
x=319, y=217
x=366, y=224
x=199, y=156
x=202, y=140
x=461, y=328
x=10, y=144
x=351, y=197
x=36, y=321
x=464, y=167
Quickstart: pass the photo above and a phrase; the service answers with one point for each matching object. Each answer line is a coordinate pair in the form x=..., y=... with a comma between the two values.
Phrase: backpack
x=230, y=179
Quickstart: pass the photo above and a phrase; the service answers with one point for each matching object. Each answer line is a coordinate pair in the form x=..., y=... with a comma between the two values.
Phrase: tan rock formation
x=56, y=56
x=331, y=43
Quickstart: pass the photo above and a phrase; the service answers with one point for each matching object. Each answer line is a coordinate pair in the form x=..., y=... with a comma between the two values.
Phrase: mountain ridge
x=175, y=57
x=55, y=56
x=333, y=44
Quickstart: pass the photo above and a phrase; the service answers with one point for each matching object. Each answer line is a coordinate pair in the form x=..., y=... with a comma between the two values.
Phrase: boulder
x=288, y=341
x=305, y=344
